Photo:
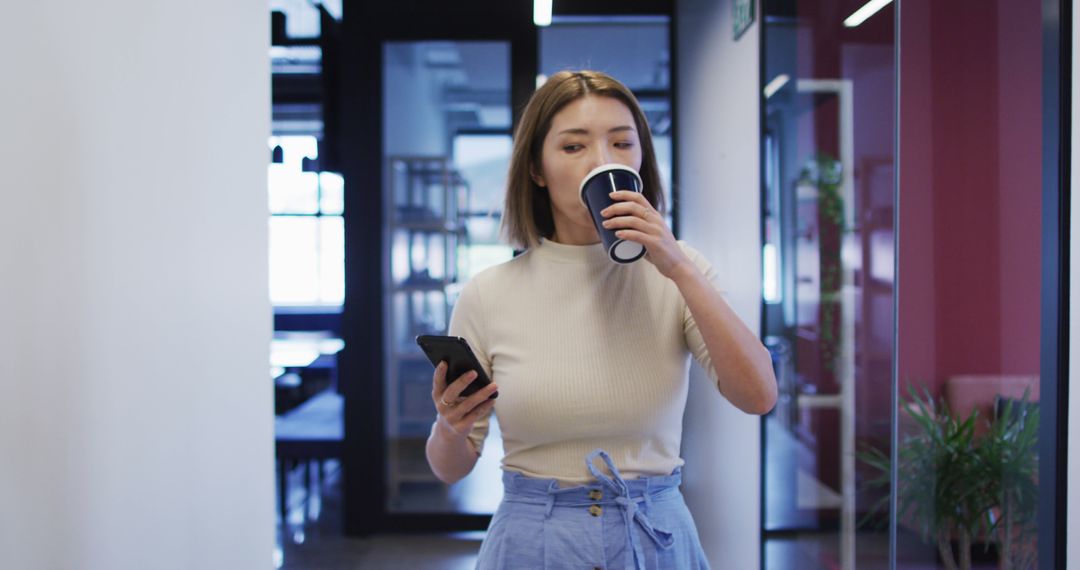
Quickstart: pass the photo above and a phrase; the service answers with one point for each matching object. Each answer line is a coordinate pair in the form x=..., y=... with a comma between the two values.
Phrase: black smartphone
x=459, y=358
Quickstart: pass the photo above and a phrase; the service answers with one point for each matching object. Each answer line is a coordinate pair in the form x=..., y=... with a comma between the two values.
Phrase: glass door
x=446, y=150
x=828, y=282
x=912, y=287
x=636, y=51
x=971, y=341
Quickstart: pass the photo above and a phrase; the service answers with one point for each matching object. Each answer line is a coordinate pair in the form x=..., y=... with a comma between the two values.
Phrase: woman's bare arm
x=742, y=363
x=449, y=451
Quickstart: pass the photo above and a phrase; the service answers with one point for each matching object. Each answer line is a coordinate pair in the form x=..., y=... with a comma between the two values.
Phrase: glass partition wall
x=828, y=281
x=446, y=146
x=970, y=274
x=904, y=268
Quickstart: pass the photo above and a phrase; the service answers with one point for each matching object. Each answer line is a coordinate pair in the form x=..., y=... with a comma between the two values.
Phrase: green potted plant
x=953, y=483
x=1008, y=453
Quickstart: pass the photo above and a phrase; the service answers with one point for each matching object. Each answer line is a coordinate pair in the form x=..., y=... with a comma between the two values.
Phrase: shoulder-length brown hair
x=527, y=212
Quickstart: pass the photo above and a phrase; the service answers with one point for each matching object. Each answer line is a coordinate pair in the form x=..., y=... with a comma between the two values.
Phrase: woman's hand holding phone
x=456, y=413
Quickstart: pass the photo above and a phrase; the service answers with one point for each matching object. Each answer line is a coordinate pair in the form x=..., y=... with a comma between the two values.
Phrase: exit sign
x=743, y=14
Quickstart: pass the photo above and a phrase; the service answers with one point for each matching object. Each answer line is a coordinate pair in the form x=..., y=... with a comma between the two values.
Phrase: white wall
x=1073, y=491
x=136, y=416
x=718, y=131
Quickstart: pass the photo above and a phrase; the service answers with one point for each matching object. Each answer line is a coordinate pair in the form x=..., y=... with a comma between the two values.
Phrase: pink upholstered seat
x=979, y=391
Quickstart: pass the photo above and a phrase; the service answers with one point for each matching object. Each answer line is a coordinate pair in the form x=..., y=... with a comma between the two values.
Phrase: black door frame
x=366, y=27
x=1054, y=365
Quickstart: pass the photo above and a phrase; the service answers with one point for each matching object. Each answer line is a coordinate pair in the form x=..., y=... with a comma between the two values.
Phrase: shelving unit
x=425, y=226
x=844, y=400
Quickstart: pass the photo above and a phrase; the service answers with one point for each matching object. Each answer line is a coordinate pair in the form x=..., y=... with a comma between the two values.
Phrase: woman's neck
x=571, y=234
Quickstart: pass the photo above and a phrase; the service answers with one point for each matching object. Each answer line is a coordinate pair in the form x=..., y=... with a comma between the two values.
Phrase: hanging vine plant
x=825, y=174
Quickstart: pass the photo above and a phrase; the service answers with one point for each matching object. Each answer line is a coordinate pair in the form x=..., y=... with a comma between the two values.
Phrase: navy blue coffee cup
x=595, y=193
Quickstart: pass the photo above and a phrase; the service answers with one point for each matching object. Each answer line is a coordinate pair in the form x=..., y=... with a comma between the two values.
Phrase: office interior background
x=196, y=194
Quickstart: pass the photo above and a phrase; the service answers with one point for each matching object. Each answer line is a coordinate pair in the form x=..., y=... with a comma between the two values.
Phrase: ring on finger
x=447, y=404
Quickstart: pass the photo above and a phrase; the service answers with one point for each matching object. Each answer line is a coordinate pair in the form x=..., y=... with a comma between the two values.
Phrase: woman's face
x=587, y=133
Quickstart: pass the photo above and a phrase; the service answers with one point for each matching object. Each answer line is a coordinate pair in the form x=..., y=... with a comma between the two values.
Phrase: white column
x=136, y=415
x=719, y=130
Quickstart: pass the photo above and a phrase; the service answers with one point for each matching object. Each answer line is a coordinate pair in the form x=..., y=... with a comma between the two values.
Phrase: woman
x=590, y=357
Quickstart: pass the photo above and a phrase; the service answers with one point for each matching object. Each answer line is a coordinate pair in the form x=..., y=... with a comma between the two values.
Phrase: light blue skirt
x=610, y=523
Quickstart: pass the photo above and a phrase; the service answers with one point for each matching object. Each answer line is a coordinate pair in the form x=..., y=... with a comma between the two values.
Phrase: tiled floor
x=320, y=545
x=413, y=552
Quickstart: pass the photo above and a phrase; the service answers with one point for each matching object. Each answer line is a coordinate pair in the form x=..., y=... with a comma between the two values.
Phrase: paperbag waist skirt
x=610, y=523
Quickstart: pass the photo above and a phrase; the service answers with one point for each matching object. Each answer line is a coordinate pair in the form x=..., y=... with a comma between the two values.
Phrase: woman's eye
x=572, y=147
x=624, y=145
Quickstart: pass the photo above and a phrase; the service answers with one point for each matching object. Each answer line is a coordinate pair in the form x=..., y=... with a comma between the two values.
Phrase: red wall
x=970, y=187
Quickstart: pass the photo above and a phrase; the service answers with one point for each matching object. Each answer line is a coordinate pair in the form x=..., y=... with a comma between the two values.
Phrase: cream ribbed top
x=587, y=353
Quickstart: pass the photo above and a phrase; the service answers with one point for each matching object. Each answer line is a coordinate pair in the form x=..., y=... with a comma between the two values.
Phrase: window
x=307, y=232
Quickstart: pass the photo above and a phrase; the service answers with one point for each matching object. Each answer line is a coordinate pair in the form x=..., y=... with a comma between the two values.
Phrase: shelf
x=420, y=287
x=432, y=226
x=413, y=466
x=427, y=199
x=475, y=214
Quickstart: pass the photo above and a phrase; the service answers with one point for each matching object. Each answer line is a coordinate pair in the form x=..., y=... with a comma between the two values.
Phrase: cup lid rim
x=604, y=168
